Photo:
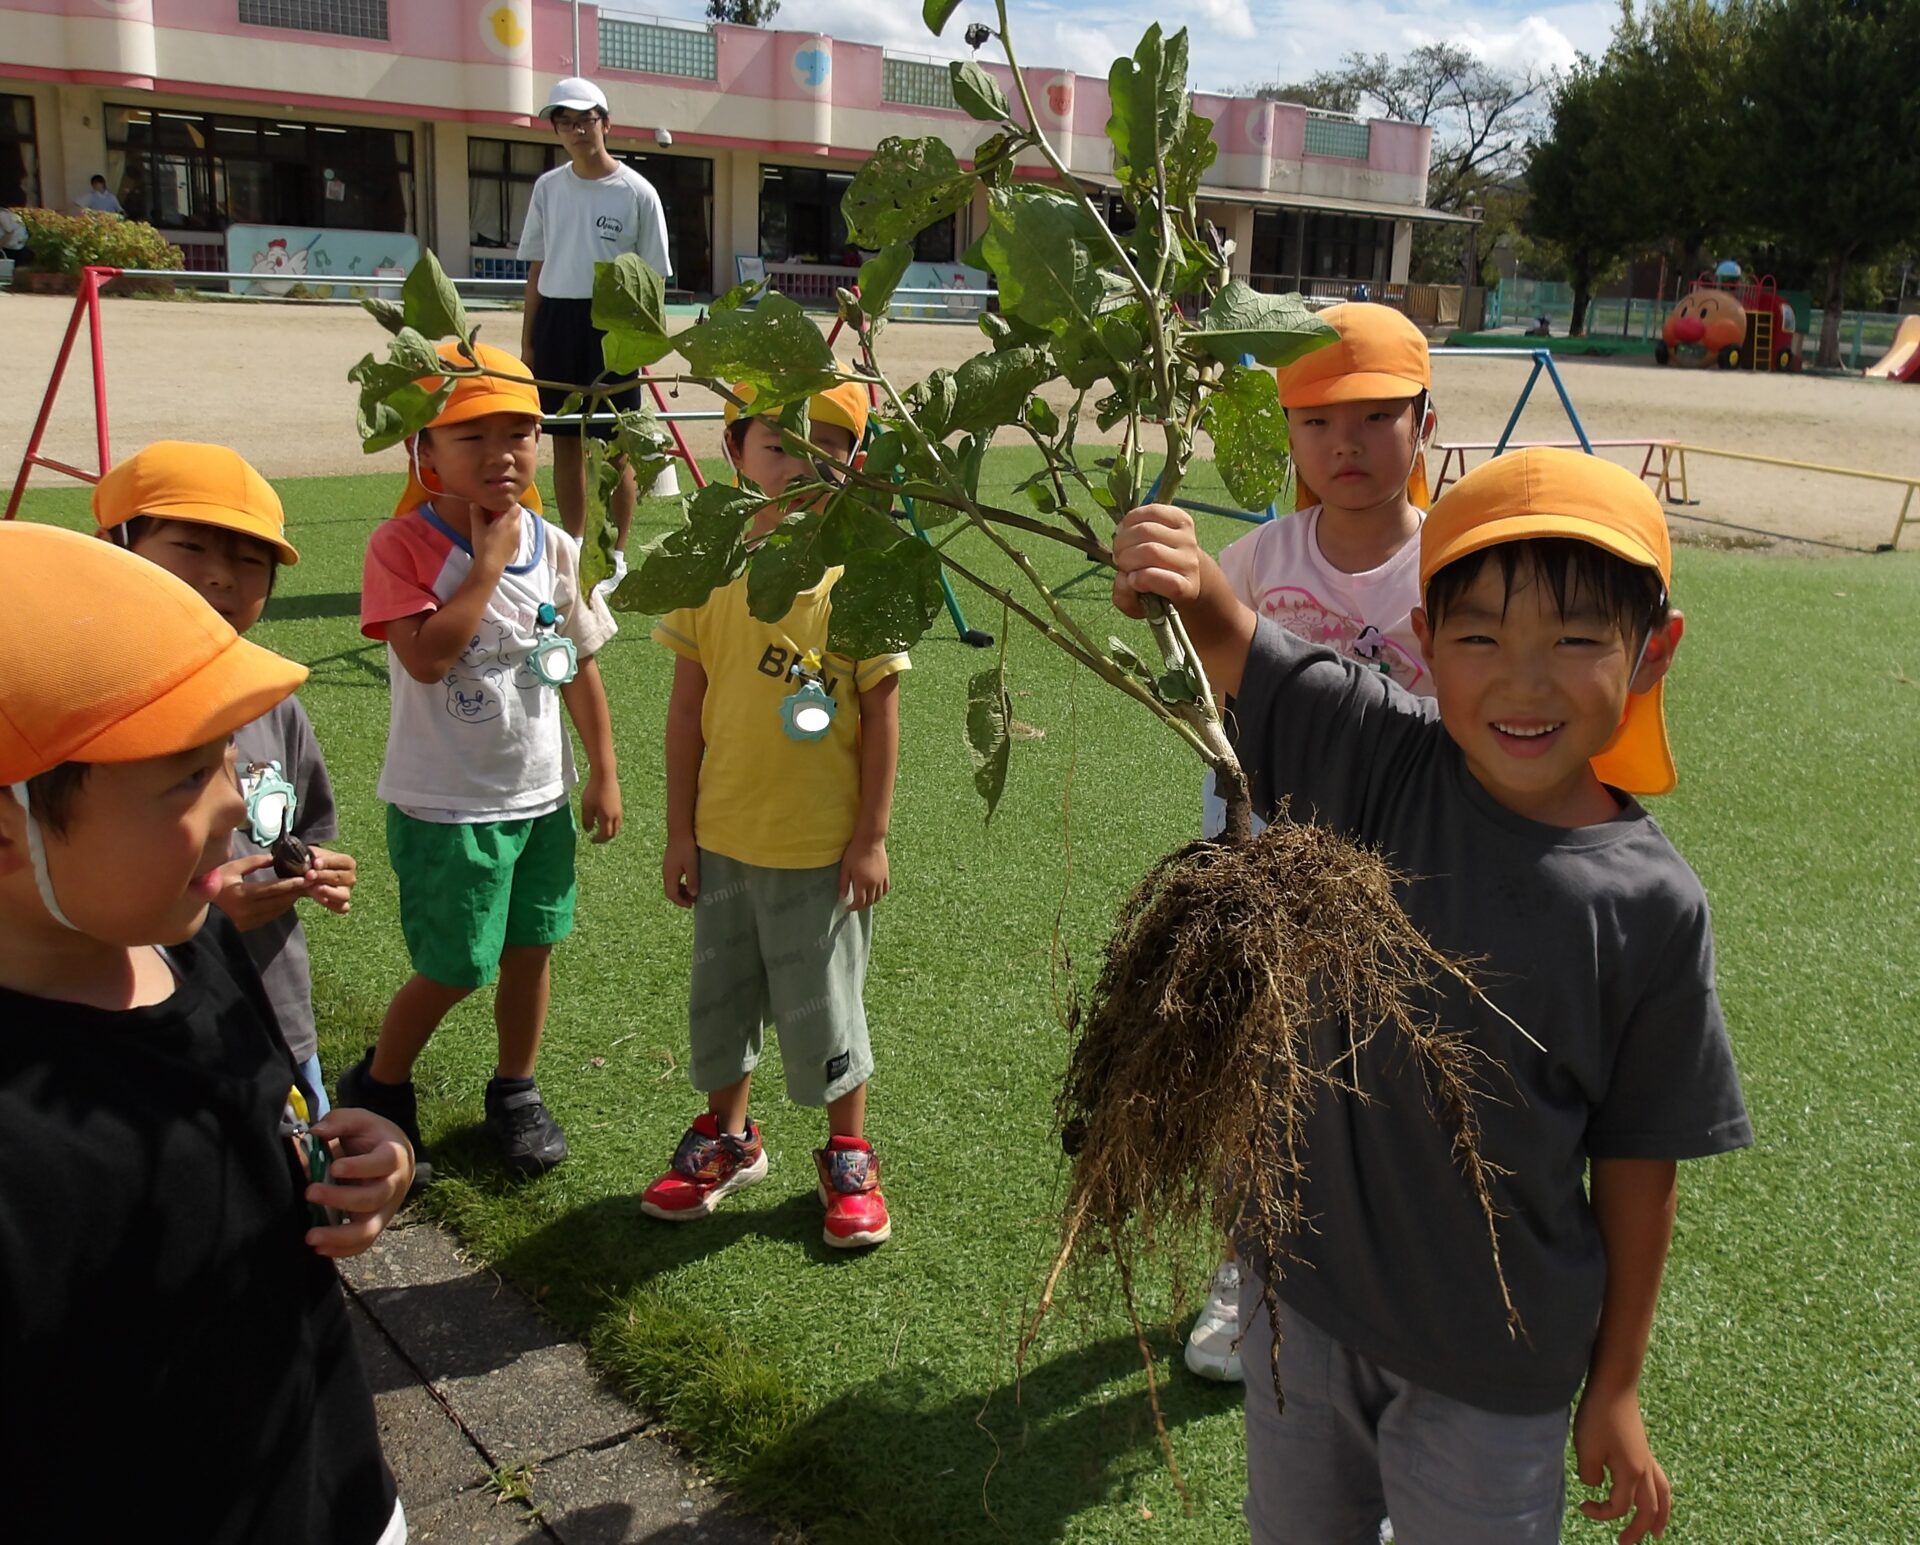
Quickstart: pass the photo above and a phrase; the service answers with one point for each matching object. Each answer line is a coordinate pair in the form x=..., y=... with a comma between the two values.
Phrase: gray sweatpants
x=1357, y=1443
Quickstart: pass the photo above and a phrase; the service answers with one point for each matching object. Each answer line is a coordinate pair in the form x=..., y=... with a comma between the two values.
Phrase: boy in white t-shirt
x=488, y=638
x=1343, y=571
x=589, y=211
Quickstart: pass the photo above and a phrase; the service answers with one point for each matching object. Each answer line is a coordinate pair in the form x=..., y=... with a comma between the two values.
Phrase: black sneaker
x=529, y=1140
x=359, y=1087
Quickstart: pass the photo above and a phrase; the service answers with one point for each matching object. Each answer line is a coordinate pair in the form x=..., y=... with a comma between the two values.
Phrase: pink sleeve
x=403, y=561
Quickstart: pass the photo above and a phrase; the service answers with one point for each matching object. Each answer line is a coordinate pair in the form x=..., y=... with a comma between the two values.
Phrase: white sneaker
x=1213, y=1346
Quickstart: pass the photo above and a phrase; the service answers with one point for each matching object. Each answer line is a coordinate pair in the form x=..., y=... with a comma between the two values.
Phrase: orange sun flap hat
x=473, y=397
x=844, y=405
x=1378, y=355
x=128, y=662
x=207, y=484
x=1552, y=493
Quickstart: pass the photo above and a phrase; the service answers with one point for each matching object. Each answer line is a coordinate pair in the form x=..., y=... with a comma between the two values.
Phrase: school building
x=218, y=120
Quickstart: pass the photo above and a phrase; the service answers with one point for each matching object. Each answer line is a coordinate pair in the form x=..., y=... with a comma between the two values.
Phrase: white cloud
x=1533, y=44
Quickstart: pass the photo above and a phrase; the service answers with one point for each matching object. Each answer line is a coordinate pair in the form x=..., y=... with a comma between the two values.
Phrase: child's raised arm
x=1155, y=552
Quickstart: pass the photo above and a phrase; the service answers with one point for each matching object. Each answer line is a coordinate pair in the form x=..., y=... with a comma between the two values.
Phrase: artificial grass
x=871, y=1398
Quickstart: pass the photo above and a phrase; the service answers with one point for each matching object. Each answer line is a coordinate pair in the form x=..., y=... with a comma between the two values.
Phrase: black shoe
x=359, y=1087
x=529, y=1140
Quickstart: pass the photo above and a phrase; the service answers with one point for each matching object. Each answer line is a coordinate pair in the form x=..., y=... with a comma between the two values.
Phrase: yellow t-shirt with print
x=764, y=797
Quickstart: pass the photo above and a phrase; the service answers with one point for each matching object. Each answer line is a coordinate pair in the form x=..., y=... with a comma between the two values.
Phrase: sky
x=1235, y=43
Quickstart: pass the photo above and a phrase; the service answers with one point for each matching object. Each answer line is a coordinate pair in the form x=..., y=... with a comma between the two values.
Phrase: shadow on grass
x=915, y=1453
x=305, y=608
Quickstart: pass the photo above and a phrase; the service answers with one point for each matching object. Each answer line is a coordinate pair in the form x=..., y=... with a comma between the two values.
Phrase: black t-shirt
x=168, y=1340
x=1595, y=939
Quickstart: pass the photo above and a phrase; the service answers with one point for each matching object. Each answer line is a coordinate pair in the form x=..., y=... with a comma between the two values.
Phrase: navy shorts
x=566, y=347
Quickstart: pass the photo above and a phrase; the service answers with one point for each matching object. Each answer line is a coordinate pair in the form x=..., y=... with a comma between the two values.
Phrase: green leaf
x=1249, y=436
x=936, y=12
x=630, y=307
x=1177, y=686
x=989, y=732
x=776, y=348
x=402, y=412
x=430, y=303
x=602, y=536
x=1045, y=274
x=884, y=453
x=881, y=274
x=411, y=352
x=1128, y=659
x=684, y=566
x=788, y=562
x=736, y=297
x=978, y=93
x=1188, y=158
x=1042, y=418
x=991, y=389
x=1274, y=329
x=640, y=439
x=389, y=315
x=932, y=402
x=887, y=598
x=906, y=186
x=1149, y=100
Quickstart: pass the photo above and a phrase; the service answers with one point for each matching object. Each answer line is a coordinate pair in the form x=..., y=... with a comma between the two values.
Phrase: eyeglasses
x=574, y=123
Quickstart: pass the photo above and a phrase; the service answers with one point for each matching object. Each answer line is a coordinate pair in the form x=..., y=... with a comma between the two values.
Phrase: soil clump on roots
x=1239, y=985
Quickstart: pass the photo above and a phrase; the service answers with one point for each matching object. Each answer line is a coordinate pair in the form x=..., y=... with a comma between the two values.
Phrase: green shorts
x=469, y=889
x=775, y=946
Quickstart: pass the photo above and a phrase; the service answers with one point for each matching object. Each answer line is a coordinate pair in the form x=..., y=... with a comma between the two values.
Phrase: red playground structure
x=1735, y=321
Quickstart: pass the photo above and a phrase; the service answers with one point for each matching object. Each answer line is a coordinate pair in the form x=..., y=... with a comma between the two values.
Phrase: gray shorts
x=774, y=946
x=1357, y=1444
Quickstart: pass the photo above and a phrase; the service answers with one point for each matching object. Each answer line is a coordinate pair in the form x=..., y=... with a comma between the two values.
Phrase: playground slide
x=1902, y=361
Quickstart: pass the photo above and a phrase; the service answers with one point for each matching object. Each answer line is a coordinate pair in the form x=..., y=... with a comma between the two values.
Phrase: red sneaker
x=850, y=1188
x=707, y=1166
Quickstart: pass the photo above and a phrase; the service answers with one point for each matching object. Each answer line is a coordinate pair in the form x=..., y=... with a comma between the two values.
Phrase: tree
x=743, y=13
x=1327, y=91
x=1577, y=197
x=1834, y=124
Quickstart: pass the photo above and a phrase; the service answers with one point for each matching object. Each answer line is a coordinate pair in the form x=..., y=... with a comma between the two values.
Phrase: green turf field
x=871, y=1398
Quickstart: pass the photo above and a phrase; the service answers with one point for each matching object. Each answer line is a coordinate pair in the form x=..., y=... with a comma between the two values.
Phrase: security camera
x=662, y=138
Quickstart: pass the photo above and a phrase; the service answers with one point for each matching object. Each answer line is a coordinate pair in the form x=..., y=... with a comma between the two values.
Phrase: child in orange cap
x=1509, y=798
x=488, y=637
x=781, y=885
x=205, y=516
x=1342, y=571
x=158, y=1249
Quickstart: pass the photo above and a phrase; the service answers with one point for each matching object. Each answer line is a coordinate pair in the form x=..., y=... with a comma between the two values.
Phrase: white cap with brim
x=575, y=92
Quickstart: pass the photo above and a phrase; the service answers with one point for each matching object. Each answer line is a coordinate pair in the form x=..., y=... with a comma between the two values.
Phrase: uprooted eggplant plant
x=1243, y=974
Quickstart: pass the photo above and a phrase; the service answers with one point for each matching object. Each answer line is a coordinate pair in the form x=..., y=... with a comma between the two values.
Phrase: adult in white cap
x=588, y=211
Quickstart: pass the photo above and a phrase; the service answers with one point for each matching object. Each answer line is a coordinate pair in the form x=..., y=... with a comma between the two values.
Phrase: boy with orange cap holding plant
x=206, y=517
x=1343, y=571
x=488, y=636
x=171, y=1324
x=1509, y=800
x=780, y=770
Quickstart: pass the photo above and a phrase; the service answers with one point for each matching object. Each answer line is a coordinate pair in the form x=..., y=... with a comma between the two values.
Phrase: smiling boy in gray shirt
x=1508, y=800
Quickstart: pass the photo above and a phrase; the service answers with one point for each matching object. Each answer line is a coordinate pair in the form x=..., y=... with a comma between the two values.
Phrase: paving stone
x=430, y=1457
x=637, y=1491
x=474, y=1518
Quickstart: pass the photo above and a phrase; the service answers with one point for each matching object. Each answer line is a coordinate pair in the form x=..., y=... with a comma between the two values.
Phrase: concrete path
x=496, y=1429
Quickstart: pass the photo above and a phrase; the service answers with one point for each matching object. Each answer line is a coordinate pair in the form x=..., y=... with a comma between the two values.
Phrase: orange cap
x=1378, y=355
x=207, y=484
x=1553, y=493
x=845, y=405
x=474, y=397
x=126, y=662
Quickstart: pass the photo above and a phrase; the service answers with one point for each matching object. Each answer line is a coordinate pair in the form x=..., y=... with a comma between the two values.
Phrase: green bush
x=65, y=244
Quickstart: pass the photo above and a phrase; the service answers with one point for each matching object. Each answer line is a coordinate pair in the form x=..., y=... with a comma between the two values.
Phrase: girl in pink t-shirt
x=1343, y=571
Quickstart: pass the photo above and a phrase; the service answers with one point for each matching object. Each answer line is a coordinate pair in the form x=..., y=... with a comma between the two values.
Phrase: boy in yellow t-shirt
x=778, y=801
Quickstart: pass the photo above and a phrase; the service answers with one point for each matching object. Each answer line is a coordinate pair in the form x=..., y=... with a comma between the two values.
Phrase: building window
x=800, y=219
x=1291, y=245
x=685, y=186
x=206, y=171
x=500, y=178
x=1336, y=136
x=343, y=18
x=916, y=83
x=19, y=155
x=648, y=48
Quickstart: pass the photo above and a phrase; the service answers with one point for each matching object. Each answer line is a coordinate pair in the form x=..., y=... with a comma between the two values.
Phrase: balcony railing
x=342, y=18
x=654, y=48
